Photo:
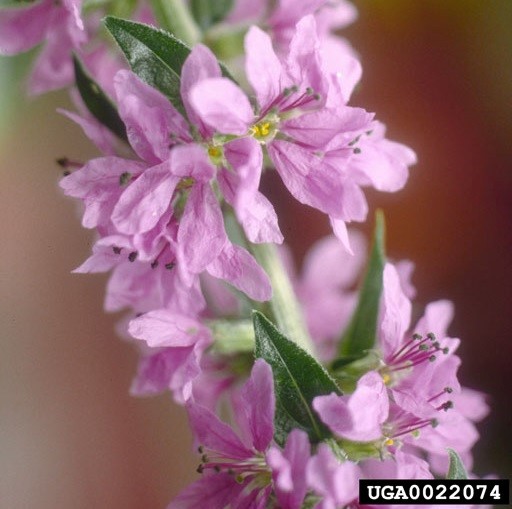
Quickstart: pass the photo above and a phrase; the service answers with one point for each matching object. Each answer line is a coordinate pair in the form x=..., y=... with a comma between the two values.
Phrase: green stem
x=284, y=304
x=232, y=336
x=175, y=17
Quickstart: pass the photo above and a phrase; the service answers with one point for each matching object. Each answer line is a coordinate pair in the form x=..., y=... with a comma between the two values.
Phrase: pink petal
x=320, y=127
x=236, y=266
x=215, y=490
x=263, y=68
x=307, y=178
x=395, y=312
x=21, y=28
x=199, y=65
x=214, y=434
x=258, y=395
x=201, y=234
x=191, y=160
x=222, y=105
x=144, y=201
x=151, y=122
x=289, y=469
x=164, y=328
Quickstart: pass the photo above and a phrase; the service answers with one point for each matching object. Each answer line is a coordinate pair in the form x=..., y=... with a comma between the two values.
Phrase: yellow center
x=216, y=154
x=386, y=378
x=265, y=130
x=389, y=442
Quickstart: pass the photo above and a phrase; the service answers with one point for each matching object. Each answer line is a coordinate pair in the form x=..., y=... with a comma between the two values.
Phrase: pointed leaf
x=154, y=55
x=97, y=102
x=209, y=12
x=298, y=379
x=456, y=469
x=361, y=333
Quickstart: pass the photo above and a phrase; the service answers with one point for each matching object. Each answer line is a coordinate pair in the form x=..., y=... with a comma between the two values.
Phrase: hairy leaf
x=456, y=469
x=298, y=379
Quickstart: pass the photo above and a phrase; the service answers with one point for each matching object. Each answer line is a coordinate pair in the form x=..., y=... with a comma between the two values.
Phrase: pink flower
x=238, y=469
x=58, y=24
x=360, y=416
x=334, y=481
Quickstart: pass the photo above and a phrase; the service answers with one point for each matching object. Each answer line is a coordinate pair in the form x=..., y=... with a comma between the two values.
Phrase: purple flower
x=58, y=24
x=240, y=470
x=336, y=482
x=360, y=416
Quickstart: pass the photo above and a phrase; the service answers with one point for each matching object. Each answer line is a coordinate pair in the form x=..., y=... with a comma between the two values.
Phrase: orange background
x=439, y=74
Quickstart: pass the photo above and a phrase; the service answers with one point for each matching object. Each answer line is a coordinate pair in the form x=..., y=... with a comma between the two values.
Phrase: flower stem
x=284, y=304
x=175, y=17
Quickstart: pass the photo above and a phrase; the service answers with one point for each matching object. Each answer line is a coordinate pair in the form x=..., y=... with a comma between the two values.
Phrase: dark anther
x=204, y=458
x=217, y=468
x=432, y=358
x=124, y=178
x=416, y=336
x=132, y=256
x=357, y=150
x=231, y=471
x=423, y=347
x=200, y=469
x=434, y=423
x=448, y=390
x=154, y=264
x=62, y=161
x=117, y=250
x=200, y=449
x=446, y=350
x=170, y=266
x=447, y=405
x=65, y=173
x=431, y=336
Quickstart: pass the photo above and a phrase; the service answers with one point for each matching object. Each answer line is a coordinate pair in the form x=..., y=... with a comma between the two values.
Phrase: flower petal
x=236, y=266
x=144, y=201
x=222, y=105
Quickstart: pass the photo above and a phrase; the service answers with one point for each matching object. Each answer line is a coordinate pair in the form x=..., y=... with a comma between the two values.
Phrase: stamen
x=132, y=256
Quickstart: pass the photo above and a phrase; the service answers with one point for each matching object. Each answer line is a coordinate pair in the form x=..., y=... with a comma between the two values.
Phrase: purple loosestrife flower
x=302, y=120
x=59, y=24
x=336, y=482
x=240, y=471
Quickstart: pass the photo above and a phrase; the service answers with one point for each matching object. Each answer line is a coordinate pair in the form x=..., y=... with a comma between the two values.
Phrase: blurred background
x=439, y=74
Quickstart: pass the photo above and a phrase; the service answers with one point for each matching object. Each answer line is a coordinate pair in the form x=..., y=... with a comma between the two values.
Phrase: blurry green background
x=439, y=74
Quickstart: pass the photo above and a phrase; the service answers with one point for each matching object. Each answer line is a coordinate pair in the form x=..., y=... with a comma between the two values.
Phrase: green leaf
x=209, y=12
x=298, y=379
x=154, y=55
x=456, y=469
x=361, y=333
x=16, y=3
x=97, y=101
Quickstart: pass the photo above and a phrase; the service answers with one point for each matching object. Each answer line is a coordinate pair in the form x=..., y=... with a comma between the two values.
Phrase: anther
x=357, y=150
x=417, y=336
x=200, y=469
x=446, y=406
x=204, y=458
x=170, y=266
x=432, y=358
x=431, y=336
x=446, y=350
x=132, y=256
x=200, y=449
x=434, y=423
x=124, y=178
x=117, y=250
x=65, y=173
x=154, y=264
x=217, y=468
x=448, y=390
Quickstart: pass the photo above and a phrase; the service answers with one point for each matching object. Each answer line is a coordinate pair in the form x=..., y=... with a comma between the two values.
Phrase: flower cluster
x=187, y=236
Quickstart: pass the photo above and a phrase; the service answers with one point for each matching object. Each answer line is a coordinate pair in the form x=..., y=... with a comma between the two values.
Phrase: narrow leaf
x=97, y=102
x=208, y=12
x=456, y=469
x=298, y=379
x=154, y=55
x=361, y=333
